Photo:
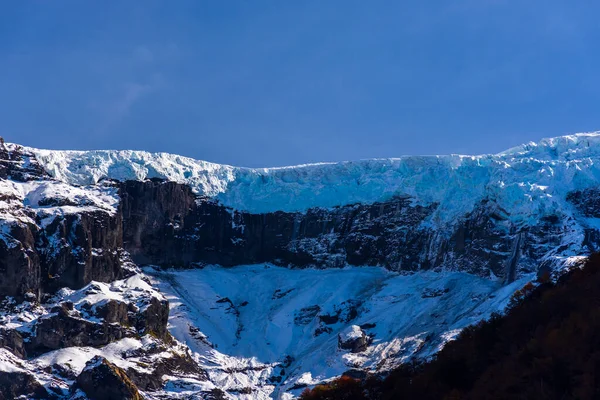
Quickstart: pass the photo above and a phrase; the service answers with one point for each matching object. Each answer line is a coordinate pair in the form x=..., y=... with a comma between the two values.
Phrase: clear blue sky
x=269, y=83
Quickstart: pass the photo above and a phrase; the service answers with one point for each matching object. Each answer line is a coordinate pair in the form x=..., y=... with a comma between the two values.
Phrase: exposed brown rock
x=102, y=380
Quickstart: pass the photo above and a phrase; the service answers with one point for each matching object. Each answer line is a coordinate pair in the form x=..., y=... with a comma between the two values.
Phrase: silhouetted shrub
x=520, y=295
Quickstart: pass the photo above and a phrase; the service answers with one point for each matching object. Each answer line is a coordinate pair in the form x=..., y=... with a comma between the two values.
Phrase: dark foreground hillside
x=546, y=347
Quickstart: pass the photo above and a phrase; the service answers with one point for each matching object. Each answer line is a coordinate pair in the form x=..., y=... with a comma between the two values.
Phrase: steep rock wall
x=20, y=271
x=78, y=248
x=165, y=223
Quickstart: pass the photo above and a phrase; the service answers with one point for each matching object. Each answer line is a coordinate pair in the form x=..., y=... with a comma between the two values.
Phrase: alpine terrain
x=130, y=275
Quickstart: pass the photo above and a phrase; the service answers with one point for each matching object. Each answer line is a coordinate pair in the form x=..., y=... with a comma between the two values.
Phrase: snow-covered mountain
x=259, y=282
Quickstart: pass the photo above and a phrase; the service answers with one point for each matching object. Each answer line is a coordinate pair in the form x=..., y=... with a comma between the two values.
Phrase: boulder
x=353, y=338
x=102, y=380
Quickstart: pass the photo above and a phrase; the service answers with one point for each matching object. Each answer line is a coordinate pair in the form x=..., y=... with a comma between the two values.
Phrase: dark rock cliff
x=166, y=224
x=78, y=248
x=70, y=252
x=20, y=271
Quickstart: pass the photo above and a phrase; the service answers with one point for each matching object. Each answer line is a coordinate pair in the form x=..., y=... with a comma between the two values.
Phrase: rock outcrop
x=20, y=271
x=354, y=339
x=12, y=340
x=79, y=248
x=102, y=380
x=176, y=365
x=21, y=385
x=65, y=328
x=153, y=318
x=17, y=382
x=150, y=317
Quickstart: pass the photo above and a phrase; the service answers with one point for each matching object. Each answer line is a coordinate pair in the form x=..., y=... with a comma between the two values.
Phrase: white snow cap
x=524, y=179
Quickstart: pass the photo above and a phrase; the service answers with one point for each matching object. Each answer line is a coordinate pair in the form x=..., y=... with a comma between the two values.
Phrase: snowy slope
x=250, y=324
x=524, y=179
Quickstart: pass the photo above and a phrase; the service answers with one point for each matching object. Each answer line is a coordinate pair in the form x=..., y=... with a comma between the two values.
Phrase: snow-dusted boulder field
x=173, y=277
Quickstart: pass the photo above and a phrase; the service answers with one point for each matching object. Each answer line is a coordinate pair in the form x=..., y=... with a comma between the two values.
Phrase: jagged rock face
x=20, y=271
x=19, y=260
x=112, y=311
x=19, y=165
x=12, y=340
x=79, y=248
x=166, y=224
x=70, y=252
x=102, y=380
x=14, y=385
x=154, y=318
x=154, y=213
x=486, y=240
x=66, y=329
